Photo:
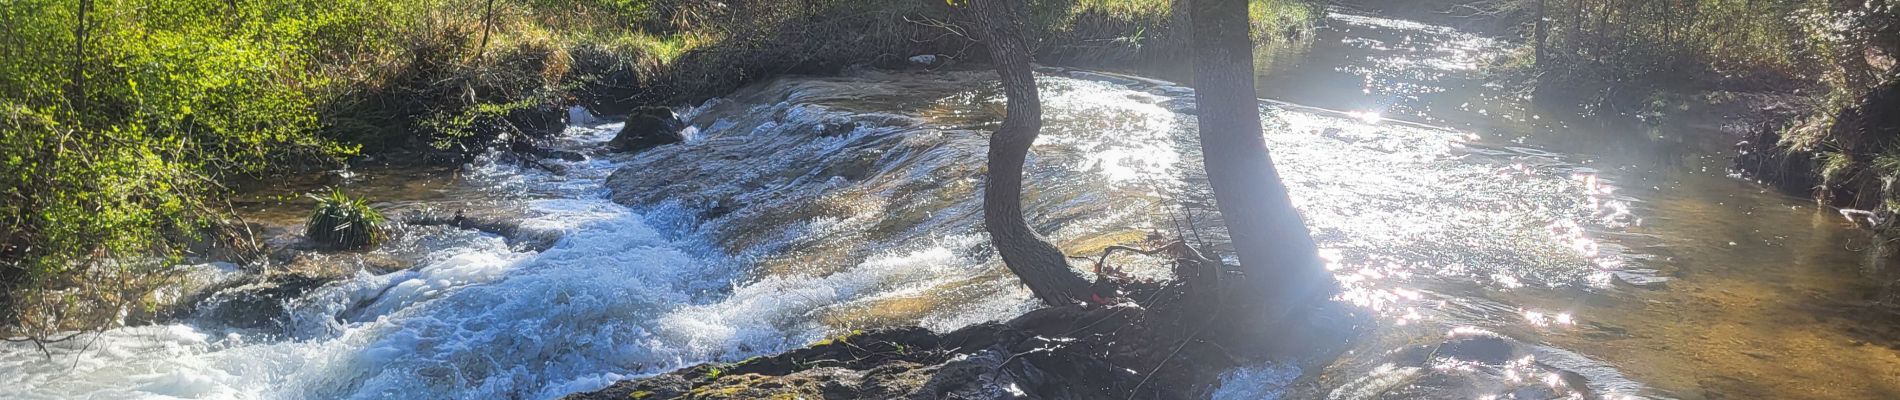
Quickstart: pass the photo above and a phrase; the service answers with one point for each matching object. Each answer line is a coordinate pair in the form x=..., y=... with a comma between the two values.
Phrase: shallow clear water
x=1754, y=294
x=807, y=207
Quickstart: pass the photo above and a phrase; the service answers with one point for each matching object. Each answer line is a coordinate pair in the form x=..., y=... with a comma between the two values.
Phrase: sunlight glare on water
x=804, y=207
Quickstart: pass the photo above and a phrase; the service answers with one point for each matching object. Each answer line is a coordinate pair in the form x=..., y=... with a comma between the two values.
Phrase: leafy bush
x=118, y=121
x=342, y=222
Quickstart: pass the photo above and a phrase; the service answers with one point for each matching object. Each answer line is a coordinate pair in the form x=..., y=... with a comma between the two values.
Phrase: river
x=1620, y=258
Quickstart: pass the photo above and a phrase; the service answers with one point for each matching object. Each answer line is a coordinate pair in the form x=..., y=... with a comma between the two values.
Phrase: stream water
x=1621, y=260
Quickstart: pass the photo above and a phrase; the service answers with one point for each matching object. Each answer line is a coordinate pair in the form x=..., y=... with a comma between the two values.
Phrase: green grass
x=661, y=48
x=344, y=222
x=1834, y=164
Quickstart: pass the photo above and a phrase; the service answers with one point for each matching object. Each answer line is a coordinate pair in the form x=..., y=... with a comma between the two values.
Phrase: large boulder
x=649, y=127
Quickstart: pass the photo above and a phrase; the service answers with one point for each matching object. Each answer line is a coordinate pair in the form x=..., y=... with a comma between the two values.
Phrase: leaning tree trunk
x=1040, y=265
x=1277, y=254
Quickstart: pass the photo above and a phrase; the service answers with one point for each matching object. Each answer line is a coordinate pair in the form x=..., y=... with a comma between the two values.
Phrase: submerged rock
x=529, y=148
x=260, y=302
x=648, y=128
x=539, y=120
x=497, y=224
x=928, y=60
x=1468, y=363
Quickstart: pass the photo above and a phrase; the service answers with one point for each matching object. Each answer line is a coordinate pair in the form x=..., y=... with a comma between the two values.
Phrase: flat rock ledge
x=1054, y=353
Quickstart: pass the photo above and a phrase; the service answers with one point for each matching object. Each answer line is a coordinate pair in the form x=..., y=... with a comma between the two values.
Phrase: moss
x=640, y=394
x=730, y=388
x=749, y=360
x=846, y=338
x=1094, y=244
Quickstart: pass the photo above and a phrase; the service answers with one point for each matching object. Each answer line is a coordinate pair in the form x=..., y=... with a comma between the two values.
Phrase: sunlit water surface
x=1622, y=264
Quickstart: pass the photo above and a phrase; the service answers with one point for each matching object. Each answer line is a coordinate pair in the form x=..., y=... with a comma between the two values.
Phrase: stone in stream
x=928, y=60
x=537, y=121
x=528, y=147
x=506, y=226
x=259, y=302
x=648, y=127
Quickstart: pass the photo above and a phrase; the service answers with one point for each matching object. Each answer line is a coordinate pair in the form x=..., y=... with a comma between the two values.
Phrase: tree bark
x=1542, y=33
x=488, y=19
x=1277, y=253
x=1038, y=263
x=80, y=32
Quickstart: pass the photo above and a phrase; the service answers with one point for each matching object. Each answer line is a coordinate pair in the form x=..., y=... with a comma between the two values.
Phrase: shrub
x=343, y=222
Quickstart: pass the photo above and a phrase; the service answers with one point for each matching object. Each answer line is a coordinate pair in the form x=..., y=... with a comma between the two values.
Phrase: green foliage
x=114, y=152
x=121, y=118
x=1887, y=163
x=1834, y=164
x=467, y=126
x=1699, y=44
x=1120, y=31
x=340, y=221
x=663, y=49
x=1693, y=39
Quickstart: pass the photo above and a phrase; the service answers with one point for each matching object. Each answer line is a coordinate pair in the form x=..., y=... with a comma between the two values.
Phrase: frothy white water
x=479, y=319
x=615, y=297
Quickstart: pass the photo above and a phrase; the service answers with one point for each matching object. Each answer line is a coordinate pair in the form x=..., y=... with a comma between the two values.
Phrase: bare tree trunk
x=1669, y=25
x=1576, y=26
x=1277, y=254
x=78, y=92
x=1542, y=35
x=1040, y=265
x=488, y=18
x=1601, y=30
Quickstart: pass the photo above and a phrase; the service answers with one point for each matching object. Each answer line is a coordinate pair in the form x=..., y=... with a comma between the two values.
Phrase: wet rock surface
x=257, y=302
x=1027, y=357
x=648, y=128
x=499, y=224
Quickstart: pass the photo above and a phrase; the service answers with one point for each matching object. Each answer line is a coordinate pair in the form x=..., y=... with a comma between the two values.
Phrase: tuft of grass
x=343, y=222
x=660, y=48
x=1834, y=164
x=1887, y=163
x=1270, y=17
